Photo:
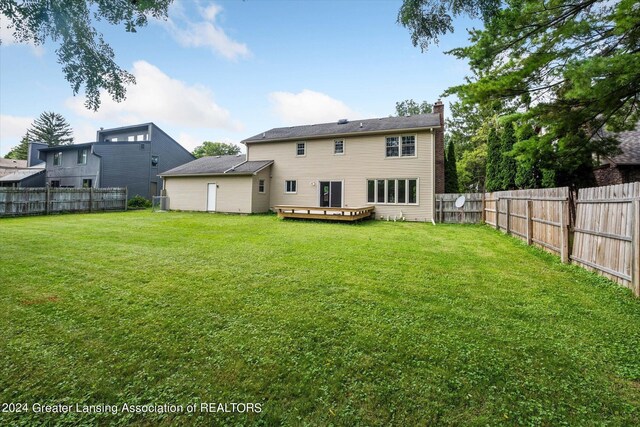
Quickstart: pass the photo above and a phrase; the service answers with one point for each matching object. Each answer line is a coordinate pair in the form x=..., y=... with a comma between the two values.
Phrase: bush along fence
x=597, y=229
x=44, y=201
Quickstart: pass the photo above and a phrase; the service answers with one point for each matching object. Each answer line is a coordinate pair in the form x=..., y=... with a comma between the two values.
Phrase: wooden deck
x=330, y=214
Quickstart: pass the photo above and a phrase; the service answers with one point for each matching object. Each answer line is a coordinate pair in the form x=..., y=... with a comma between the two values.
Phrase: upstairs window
x=82, y=156
x=401, y=146
x=57, y=158
x=301, y=148
x=338, y=146
x=154, y=161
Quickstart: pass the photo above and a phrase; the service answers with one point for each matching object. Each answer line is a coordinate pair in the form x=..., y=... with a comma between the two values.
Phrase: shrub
x=138, y=202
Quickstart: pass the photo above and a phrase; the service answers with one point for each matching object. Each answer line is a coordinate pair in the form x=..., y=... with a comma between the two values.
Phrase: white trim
x=264, y=186
x=400, y=136
x=341, y=181
x=343, y=147
x=433, y=175
x=215, y=201
x=396, y=203
x=285, y=186
x=304, y=143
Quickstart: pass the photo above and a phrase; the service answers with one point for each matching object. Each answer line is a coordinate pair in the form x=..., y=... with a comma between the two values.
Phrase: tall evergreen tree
x=507, y=172
x=492, y=180
x=527, y=172
x=20, y=151
x=450, y=170
x=52, y=129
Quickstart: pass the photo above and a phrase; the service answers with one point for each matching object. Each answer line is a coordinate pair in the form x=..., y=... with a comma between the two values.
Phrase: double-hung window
x=392, y=191
x=401, y=146
x=57, y=158
x=261, y=186
x=338, y=146
x=301, y=148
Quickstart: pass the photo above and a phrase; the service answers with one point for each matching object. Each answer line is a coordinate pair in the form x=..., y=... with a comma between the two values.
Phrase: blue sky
x=227, y=70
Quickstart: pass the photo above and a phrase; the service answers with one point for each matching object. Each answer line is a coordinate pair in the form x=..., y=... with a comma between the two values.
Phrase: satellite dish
x=460, y=202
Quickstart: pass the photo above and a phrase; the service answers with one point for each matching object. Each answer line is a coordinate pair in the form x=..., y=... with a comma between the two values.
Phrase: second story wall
x=72, y=170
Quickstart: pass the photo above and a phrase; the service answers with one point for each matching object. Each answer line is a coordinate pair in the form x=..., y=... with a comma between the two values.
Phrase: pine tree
x=20, y=151
x=508, y=166
x=527, y=174
x=450, y=170
x=492, y=180
x=52, y=129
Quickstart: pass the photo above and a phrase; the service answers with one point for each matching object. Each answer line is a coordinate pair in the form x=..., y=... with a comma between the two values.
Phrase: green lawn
x=368, y=324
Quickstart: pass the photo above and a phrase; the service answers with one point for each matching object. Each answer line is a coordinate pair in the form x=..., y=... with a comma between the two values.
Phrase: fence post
x=508, y=216
x=90, y=199
x=47, y=198
x=126, y=197
x=635, y=249
x=564, y=231
x=441, y=208
x=483, y=216
x=529, y=222
x=497, y=199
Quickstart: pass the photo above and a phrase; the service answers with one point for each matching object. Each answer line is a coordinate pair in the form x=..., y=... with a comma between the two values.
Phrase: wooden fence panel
x=606, y=232
x=41, y=201
x=540, y=217
x=470, y=213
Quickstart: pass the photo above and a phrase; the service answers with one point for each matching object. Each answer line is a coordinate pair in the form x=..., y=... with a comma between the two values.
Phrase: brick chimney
x=438, y=108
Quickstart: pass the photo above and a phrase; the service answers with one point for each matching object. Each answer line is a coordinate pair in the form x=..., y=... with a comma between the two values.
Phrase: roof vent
x=360, y=124
x=264, y=134
x=343, y=121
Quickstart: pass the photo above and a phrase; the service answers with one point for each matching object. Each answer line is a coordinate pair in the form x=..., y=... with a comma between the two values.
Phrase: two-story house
x=394, y=163
x=131, y=156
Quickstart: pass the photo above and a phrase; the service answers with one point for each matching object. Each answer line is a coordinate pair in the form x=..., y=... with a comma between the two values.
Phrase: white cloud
x=7, y=38
x=308, y=107
x=12, y=129
x=205, y=33
x=159, y=98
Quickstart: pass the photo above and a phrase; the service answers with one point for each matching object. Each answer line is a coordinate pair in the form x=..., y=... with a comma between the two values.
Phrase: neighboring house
x=623, y=167
x=131, y=156
x=395, y=164
x=219, y=184
x=23, y=173
x=8, y=166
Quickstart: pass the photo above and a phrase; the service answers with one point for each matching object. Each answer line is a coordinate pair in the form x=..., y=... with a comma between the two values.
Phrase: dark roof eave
x=337, y=135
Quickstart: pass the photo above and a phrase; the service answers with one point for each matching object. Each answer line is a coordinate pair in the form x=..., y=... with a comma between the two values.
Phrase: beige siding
x=260, y=201
x=190, y=193
x=364, y=158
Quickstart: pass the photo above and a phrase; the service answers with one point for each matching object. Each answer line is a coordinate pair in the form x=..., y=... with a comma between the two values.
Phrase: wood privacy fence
x=607, y=233
x=469, y=213
x=44, y=201
x=540, y=217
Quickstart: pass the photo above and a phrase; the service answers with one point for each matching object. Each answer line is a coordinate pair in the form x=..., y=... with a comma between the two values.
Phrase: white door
x=211, y=197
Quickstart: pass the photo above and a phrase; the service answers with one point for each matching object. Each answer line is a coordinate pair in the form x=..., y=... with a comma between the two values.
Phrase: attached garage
x=219, y=184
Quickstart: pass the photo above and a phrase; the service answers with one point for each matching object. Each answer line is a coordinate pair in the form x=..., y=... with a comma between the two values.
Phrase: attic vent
x=343, y=121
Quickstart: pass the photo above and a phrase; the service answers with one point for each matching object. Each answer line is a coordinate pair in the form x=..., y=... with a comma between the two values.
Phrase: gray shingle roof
x=219, y=165
x=13, y=164
x=630, y=147
x=418, y=121
x=19, y=175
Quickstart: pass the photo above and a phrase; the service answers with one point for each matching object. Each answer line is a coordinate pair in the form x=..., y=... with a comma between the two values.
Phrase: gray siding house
x=131, y=156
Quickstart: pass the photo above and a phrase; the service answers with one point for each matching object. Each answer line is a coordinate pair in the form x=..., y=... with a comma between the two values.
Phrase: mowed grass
x=323, y=324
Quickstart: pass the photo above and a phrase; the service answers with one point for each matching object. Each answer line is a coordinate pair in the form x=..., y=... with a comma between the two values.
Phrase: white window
x=301, y=148
x=82, y=156
x=338, y=146
x=57, y=158
x=290, y=186
x=392, y=191
x=261, y=186
x=401, y=146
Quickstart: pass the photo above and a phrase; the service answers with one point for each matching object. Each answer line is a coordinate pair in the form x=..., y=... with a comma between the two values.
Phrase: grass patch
x=346, y=324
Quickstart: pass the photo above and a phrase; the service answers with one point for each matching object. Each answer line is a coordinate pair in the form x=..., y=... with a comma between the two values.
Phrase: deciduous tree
x=409, y=107
x=209, y=148
x=86, y=59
